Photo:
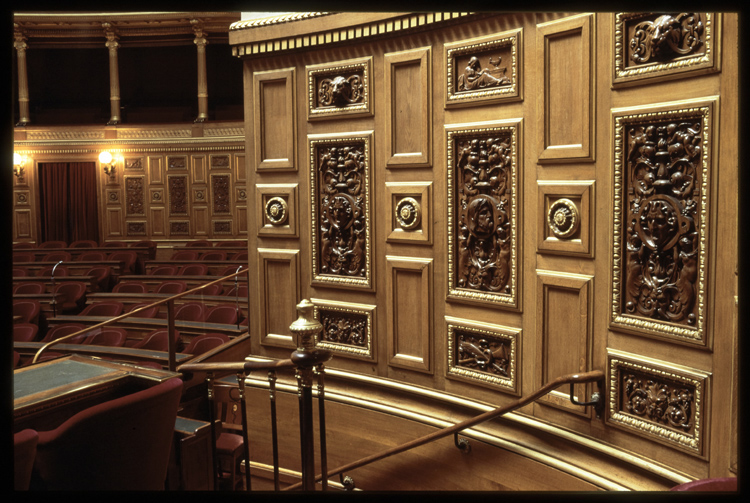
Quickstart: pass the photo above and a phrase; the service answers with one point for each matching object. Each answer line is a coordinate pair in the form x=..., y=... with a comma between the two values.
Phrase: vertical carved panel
x=564, y=338
x=279, y=295
x=347, y=328
x=408, y=108
x=657, y=46
x=565, y=57
x=658, y=400
x=274, y=119
x=220, y=186
x=409, y=301
x=340, y=208
x=178, y=197
x=199, y=169
x=662, y=189
x=482, y=213
x=134, y=197
x=114, y=222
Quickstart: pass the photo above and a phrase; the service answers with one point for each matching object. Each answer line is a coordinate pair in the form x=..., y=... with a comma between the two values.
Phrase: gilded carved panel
x=483, y=353
x=341, y=88
x=347, y=328
x=340, y=209
x=220, y=186
x=658, y=400
x=661, y=219
x=178, y=198
x=482, y=213
x=134, y=195
x=662, y=46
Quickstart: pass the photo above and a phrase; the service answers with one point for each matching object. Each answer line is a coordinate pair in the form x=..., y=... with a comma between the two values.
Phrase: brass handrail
x=169, y=301
x=594, y=375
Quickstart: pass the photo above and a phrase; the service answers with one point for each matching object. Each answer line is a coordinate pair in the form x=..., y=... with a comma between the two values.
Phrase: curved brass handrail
x=237, y=366
x=594, y=375
x=135, y=311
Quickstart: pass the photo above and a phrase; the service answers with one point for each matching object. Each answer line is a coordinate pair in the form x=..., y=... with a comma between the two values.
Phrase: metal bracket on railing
x=347, y=482
x=462, y=443
x=596, y=401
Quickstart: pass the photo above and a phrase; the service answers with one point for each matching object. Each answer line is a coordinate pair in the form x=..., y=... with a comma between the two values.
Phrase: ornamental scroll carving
x=340, y=91
x=178, y=195
x=662, y=231
x=341, y=212
x=482, y=189
x=660, y=402
x=344, y=328
x=667, y=37
x=485, y=354
x=134, y=195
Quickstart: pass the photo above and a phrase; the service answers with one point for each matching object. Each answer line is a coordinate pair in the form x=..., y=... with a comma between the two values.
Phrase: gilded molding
x=344, y=320
x=483, y=249
x=341, y=88
x=658, y=400
x=408, y=213
x=563, y=218
x=483, y=353
x=673, y=290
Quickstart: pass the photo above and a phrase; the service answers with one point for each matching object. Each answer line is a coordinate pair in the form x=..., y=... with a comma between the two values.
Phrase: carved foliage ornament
x=666, y=37
x=347, y=328
x=661, y=239
x=341, y=212
x=482, y=201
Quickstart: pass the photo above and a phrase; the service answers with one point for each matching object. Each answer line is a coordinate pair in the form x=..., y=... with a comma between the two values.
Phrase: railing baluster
x=211, y=419
x=245, y=436
x=320, y=371
x=274, y=432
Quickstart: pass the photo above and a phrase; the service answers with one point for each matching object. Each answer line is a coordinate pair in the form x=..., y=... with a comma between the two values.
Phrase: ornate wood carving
x=482, y=188
x=347, y=328
x=220, y=185
x=136, y=228
x=339, y=88
x=178, y=195
x=222, y=226
x=341, y=211
x=134, y=163
x=179, y=228
x=563, y=218
x=177, y=163
x=666, y=37
x=276, y=211
x=134, y=195
x=658, y=400
x=219, y=161
x=408, y=213
x=276, y=205
x=483, y=353
x=661, y=224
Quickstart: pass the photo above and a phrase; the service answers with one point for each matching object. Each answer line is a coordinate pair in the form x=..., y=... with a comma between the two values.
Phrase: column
x=201, y=42
x=19, y=42
x=114, y=74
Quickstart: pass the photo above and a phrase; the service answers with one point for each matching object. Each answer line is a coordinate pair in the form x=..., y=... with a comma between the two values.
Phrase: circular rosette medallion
x=276, y=211
x=408, y=213
x=562, y=218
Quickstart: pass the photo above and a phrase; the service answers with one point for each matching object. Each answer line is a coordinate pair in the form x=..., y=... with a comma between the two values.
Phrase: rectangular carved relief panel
x=347, y=328
x=658, y=400
x=339, y=89
x=220, y=196
x=483, y=220
x=483, y=353
x=662, y=199
x=341, y=227
x=134, y=196
x=178, y=196
x=653, y=46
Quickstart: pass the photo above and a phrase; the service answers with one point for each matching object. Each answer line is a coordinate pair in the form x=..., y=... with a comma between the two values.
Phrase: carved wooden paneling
x=484, y=69
x=564, y=333
x=178, y=195
x=276, y=207
x=177, y=162
x=340, y=170
x=409, y=301
x=220, y=194
x=222, y=227
x=137, y=228
x=240, y=169
x=565, y=221
x=22, y=219
x=483, y=353
x=662, y=176
x=220, y=161
x=200, y=220
x=483, y=219
x=134, y=163
x=179, y=228
x=408, y=108
x=348, y=328
x=279, y=294
x=114, y=222
x=342, y=88
x=134, y=196
x=158, y=222
x=409, y=209
x=199, y=169
x=156, y=170
x=274, y=120
x=242, y=220
x=660, y=46
x=659, y=400
x=565, y=56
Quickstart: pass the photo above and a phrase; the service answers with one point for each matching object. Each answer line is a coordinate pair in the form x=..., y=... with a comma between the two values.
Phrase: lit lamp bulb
x=18, y=162
x=109, y=164
x=104, y=158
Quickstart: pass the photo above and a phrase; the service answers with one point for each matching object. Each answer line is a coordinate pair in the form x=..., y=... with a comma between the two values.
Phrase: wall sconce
x=18, y=163
x=109, y=163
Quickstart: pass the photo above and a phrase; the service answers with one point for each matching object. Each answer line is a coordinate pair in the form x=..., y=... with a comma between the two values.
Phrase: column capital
x=111, y=34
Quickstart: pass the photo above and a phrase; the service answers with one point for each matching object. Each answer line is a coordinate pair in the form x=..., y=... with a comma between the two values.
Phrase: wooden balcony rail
x=170, y=302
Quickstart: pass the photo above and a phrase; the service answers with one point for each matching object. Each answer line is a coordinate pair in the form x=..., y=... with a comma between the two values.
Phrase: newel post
x=307, y=357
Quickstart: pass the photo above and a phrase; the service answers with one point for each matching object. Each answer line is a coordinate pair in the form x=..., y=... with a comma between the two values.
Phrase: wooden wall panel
x=200, y=220
x=158, y=222
x=199, y=169
x=22, y=224
x=409, y=301
x=275, y=120
x=564, y=332
x=408, y=108
x=156, y=170
x=114, y=222
x=278, y=273
x=565, y=51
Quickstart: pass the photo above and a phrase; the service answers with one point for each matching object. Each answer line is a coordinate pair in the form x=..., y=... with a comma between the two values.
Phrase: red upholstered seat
x=27, y=309
x=23, y=246
x=214, y=289
x=108, y=308
x=102, y=275
x=57, y=256
x=185, y=255
x=158, y=340
x=92, y=256
x=19, y=272
x=24, y=332
x=206, y=342
x=107, y=336
x=150, y=312
x=84, y=243
x=66, y=329
x=122, y=444
x=723, y=484
x=24, y=257
x=214, y=255
x=29, y=287
x=230, y=451
x=114, y=244
x=202, y=243
x=239, y=256
x=71, y=296
x=24, y=453
x=190, y=311
x=240, y=291
x=164, y=270
x=232, y=269
x=151, y=245
x=130, y=287
x=127, y=258
x=46, y=271
x=171, y=286
x=54, y=244
x=193, y=270
x=221, y=314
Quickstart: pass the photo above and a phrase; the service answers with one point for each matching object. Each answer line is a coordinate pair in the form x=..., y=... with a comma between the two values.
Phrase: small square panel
x=277, y=210
x=339, y=88
x=565, y=221
x=409, y=210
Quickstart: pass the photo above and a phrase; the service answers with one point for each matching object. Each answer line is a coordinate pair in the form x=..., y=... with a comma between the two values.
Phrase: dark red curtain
x=67, y=193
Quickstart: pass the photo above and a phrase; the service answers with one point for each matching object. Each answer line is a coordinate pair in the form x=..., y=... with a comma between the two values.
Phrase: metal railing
x=170, y=302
